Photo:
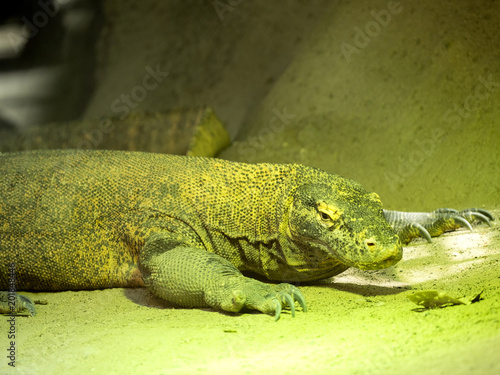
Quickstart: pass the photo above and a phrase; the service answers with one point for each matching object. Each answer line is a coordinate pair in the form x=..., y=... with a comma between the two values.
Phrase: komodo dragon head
x=341, y=220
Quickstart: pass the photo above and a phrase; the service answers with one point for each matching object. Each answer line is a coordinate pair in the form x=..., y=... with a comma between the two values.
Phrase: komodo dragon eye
x=327, y=214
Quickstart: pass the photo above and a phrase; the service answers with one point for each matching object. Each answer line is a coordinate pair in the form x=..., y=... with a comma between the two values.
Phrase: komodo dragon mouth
x=394, y=255
x=385, y=255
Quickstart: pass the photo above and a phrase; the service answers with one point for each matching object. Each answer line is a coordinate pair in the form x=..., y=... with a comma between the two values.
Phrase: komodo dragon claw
x=287, y=295
x=410, y=225
x=297, y=295
x=289, y=301
x=283, y=296
x=480, y=214
x=277, y=310
x=477, y=214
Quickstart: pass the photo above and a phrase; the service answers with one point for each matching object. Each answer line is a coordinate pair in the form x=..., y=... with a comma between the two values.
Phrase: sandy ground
x=371, y=119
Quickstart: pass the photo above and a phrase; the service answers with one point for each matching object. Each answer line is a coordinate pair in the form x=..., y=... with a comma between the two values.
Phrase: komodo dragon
x=185, y=227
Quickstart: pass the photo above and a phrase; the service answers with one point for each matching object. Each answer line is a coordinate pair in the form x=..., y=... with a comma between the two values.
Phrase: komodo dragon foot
x=410, y=225
x=16, y=304
x=243, y=293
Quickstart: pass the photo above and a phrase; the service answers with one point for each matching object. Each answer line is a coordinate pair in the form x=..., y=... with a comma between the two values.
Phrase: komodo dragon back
x=78, y=220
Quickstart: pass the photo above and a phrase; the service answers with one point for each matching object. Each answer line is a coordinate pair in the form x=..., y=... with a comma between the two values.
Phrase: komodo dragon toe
x=249, y=294
x=278, y=296
x=411, y=225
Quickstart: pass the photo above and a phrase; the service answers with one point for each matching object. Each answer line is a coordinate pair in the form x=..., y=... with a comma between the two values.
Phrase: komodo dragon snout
x=346, y=222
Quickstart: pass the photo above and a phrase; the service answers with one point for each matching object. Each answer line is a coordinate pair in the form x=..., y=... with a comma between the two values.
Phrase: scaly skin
x=184, y=227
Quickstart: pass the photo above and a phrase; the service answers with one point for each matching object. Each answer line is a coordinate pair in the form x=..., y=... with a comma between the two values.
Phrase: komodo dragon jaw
x=350, y=227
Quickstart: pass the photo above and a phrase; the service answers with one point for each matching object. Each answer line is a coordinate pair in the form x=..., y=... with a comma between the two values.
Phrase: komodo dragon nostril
x=370, y=243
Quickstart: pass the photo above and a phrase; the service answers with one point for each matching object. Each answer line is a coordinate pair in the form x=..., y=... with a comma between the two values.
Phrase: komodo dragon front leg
x=193, y=277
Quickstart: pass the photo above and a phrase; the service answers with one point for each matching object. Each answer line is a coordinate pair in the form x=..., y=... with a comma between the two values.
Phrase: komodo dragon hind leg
x=411, y=225
x=194, y=277
x=16, y=304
